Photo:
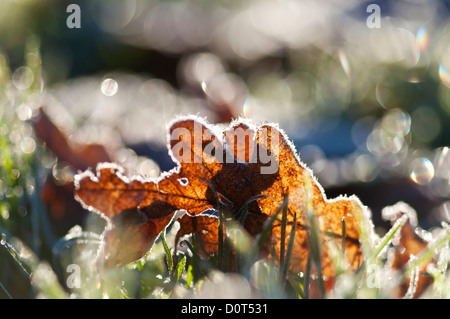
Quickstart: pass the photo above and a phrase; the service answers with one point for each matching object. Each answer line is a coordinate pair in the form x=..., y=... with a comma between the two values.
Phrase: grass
x=162, y=275
x=35, y=258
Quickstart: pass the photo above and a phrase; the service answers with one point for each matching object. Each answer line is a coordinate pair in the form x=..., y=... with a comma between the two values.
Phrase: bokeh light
x=109, y=87
x=423, y=38
x=23, y=77
x=422, y=171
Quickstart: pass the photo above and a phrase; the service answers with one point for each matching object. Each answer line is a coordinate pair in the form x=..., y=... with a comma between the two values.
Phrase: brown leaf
x=411, y=244
x=291, y=175
x=132, y=234
x=407, y=243
x=227, y=170
x=112, y=194
x=206, y=228
x=58, y=195
x=79, y=157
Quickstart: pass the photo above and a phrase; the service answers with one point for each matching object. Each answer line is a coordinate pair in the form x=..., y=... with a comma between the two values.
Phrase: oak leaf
x=80, y=156
x=242, y=166
x=58, y=195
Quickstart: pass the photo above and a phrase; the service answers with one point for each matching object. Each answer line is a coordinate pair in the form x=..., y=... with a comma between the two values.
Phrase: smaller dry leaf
x=131, y=235
x=408, y=243
x=58, y=195
x=411, y=244
x=206, y=228
x=79, y=157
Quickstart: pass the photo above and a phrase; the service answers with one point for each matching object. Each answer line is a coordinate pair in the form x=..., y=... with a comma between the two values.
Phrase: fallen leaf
x=132, y=234
x=411, y=244
x=406, y=244
x=220, y=170
x=58, y=195
x=206, y=228
x=79, y=156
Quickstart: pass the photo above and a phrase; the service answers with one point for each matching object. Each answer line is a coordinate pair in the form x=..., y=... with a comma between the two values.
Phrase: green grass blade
x=413, y=281
x=344, y=236
x=194, y=267
x=289, y=251
x=68, y=240
x=427, y=254
x=180, y=267
x=33, y=61
x=46, y=283
x=256, y=247
x=268, y=226
x=38, y=206
x=189, y=276
x=390, y=234
x=243, y=211
x=307, y=282
x=316, y=255
x=220, y=249
x=314, y=236
x=191, y=248
x=5, y=291
x=169, y=257
x=23, y=265
x=283, y=236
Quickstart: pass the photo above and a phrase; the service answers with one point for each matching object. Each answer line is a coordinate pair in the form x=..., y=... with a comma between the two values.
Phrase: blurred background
x=368, y=109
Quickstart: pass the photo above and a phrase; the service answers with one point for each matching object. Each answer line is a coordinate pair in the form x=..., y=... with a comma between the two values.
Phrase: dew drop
x=396, y=122
x=15, y=173
x=247, y=108
x=18, y=191
x=62, y=173
x=444, y=75
x=109, y=87
x=344, y=62
x=24, y=112
x=30, y=189
x=204, y=87
x=444, y=68
x=422, y=171
x=5, y=214
x=422, y=38
x=148, y=168
x=22, y=78
x=364, y=168
x=28, y=145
